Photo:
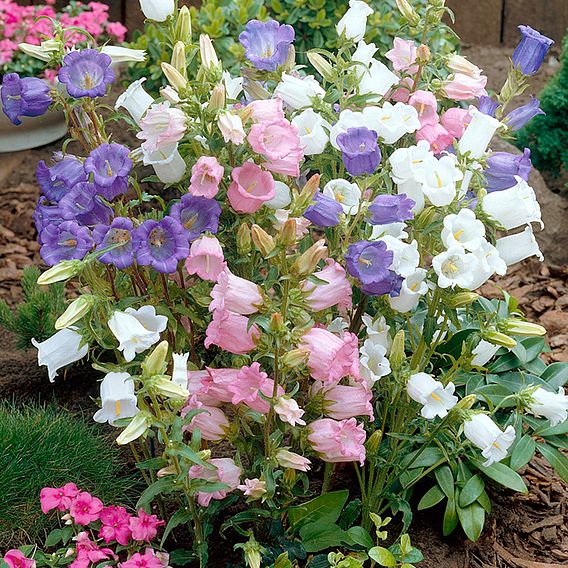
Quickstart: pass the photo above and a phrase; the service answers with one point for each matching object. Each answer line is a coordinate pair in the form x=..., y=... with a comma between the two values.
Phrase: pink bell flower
x=206, y=175
x=337, y=291
x=462, y=87
x=455, y=121
x=268, y=110
x=427, y=106
x=251, y=381
x=230, y=332
x=403, y=55
x=251, y=188
x=216, y=386
x=437, y=136
x=236, y=294
x=227, y=472
x=206, y=258
x=338, y=441
x=342, y=402
x=212, y=423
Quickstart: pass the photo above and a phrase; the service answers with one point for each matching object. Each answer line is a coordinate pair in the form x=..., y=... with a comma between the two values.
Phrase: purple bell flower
x=390, y=285
x=110, y=166
x=120, y=232
x=531, y=50
x=57, y=180
x=161, y=245
x=67, y=241
x=86, y=73
x=502, y=167
x=24, y=97
x=324, y=211
x=46, y=214
x=197, y=215
x=521, y=116
x=81, y=204
x=387, y=209
x=359, y=150
x=487, y=105
x=267, y=44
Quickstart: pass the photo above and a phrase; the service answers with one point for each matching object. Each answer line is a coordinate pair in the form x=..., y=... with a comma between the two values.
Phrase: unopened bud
x=498, y=338
x=262, y=240
x=423, y=54
x=204, y=455
x=308, y=261
x=168, y=470
x=75, y=311
x=373, y=442
x=246, y=113
x=183, y=25
x=397, y=353
x=174, y=77
x=277, y=323
x=170, y=94
x=320, y=64
x=408, y=12
x=178, y=58
x=155, y=363
x=62, y=271
x=217, y=100
x=243, y=239
x=289, y=232
x=466, y=402
x=295, y=357
x=461, y=299
x=137, y=427
x=69, y=552
x=252, y=553
x=208, y=55
x=166, y=387
x=524, y=328
x=307, y=194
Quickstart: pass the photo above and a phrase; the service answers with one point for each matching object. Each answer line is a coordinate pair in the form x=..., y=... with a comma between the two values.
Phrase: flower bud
x=183, y=25
x=168, y=470
x=408, y=12
x=75, y=311
x=498, y=338
x=166, y=387
x=178, y=58
x=62, y=271
x=397, y=354
x=45, y=51
x=69, y=552
x=308, y=261
x=252, y=553
x=373, y=442
x=204, y=455
x=174, y=77
x=262, y=240
x=461, y=299
x=320, y=64
x=295, y=358
x=208, y=56
x=137, y=427
x=288, y=236
x=277, y=323
x=423, y=54
x=307, y=194
x=170, y=95
x=217, y=100
x=243, y=239
x=466, y=402
x=155, y=363
x=524, y=328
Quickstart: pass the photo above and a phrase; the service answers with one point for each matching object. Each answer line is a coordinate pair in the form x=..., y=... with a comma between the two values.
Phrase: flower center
x=87, y=82
x=157, y=238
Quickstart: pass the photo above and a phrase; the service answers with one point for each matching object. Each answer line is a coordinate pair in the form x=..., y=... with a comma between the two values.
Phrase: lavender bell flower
x=370, y=263
x=487, y=105
x=24, y=97
x=46, y=214
x=267, y=44
x=197, y=215
x=531, y=50
x=57, y=180
x=67, y=241
x=387, y=209
x=502, y=167
x=81, y=204
x=324, y=211
x=120, y=232
x=360, y=151
x=521, y=116
x=161, y=245
x=86, y=73
x=110, y=166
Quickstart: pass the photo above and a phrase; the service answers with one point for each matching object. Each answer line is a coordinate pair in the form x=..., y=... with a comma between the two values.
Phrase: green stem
x=327, y=476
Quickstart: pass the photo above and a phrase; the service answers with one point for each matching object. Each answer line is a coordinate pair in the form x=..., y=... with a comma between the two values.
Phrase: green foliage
x=547, y=135
x=45, y=446
x=35, y=316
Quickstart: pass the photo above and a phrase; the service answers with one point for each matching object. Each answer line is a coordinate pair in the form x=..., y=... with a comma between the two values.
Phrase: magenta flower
x=206, y=175
x=267, y=44
x=85, y=508
x=115, y=525
x=16, y=559
x=86, y=73
x=335, y=441
x=88, y=553
x=59, y=498
x=231, y=332
x=144, y=526
x=147, y=560
x=110, y=166
x=251, y=381
x=437, y=136
x=24, y=97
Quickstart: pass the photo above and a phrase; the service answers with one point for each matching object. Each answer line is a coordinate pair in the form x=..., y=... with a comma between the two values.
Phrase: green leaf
x=470, y=492
x=189, y=454
x=181, y=557
x=450, y=518
x=325, y=508
x=445, y=480
x=504, y=475
x=180, y=517
x=556, y=375
x=53, y=538
x=360, y=536
x=317, y=536
x=382, y=556
x=431, y=498
x=522, y=453
x=164, y=485
x=426, y=458
x=555, y=458
x=485, y=502
x=472, y=519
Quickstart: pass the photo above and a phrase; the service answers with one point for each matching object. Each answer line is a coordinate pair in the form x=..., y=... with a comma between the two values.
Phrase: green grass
x=46, y=446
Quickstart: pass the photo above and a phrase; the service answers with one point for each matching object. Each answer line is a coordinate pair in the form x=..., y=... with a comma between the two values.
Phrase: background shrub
x=47, y=446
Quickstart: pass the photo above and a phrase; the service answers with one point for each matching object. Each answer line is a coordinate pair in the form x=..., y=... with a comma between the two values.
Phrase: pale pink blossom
x=206, y=175
x=462, y=87
x=289, y=411
x=455, y=121
x=227, y=472
x=338, y=441
x=236, y=294
x=427, y=106
x=230, y=332
x=267, y=110
x=341, y=402
x=437, y=136
x=402, y=93
x=211, y=423
x=206, y=258
x=161, y=127
x=291, y=460
x=216, y=386
x=253, y=488
x=403, y=55
x=336, y=292
x=251, y=188
x=250, y=383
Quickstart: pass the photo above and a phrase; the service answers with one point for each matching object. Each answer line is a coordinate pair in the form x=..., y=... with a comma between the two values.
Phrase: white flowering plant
x=308, y=291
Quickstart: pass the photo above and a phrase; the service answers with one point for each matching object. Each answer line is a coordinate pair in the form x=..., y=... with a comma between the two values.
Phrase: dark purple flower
x=267, y=44
x=110, y=166
x=161, y=245
x=521, y=116
x=487, y=105
x=502, y=167
x=24, y=97
x=324, y=212
x=86, y=73
x=196, y=215
x=118, y=233
x=387, y=209
x=57, y=180
x=46, y=214
x=81, y=204
x=67, y=241
x=531, y=50
x=359, y=150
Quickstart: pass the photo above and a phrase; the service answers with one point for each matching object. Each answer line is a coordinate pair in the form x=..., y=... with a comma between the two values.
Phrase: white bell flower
x=282, y=196
x=44, y=51
x=377, y=331
x=61, y=349
x=439, y=179
x=167, y=162
x=551, y=405
x=347, y=119
x=377, y=80
x=436, y=399
x=135, y=100
x=489, y=262
x=137, y=330
x=347, y=194
x=157, y=10
x=392, y=122
x=517, y=247
x=313, y=131
x=298, y=92
x=406, y=257
x=412, y=289
x=483, y=353
x=482, y=432
x=513, y=207
x=374, y=363
x=179, y=373
x=117, y=398
x=454, y=267
x=463, y=229
x=231, y=127
x=408, y=163
x=354, y=22
x=363, y=55
x=233, y=86
x=120, y=54
x=413, y=189
x=396, y=230
x=478, y=134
